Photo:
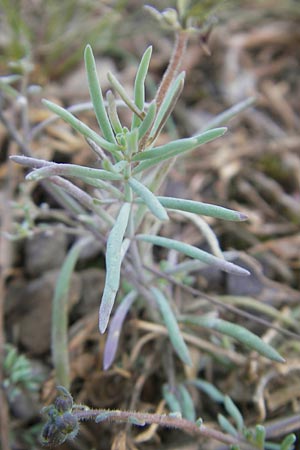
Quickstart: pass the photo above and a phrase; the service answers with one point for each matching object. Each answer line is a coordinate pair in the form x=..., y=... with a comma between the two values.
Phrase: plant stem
x=173, y=67
x=181, y=40
x=164, y=420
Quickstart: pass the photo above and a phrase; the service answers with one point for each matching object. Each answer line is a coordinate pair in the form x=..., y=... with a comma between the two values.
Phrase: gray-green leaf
x=96, y=95
x=193, y=252
x=149, y=198
x=172, y=326
x=238, y=332
x=113, y=266
x=204, y=209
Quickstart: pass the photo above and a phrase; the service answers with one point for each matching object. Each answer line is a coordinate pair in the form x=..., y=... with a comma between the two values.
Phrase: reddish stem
x=164, y=420
x=173, y=67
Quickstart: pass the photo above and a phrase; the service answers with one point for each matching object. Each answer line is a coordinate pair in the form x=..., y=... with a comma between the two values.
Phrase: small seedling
x=124, y=216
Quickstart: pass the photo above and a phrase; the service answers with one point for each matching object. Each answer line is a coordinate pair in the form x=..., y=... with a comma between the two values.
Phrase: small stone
x=35, y=323
x=45, y=251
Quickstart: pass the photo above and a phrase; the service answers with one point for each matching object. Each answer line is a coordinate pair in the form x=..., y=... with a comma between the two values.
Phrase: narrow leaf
x=139, y=85
x=179, y=146
x=187, y=404
x=149, y=198
x=113, y=113
x=132, y=142
x=72, y=170
x=193, y=252
x=288, y=441
x=123, y=94
x=226, y=425
x=59, y=331
x=96, y=95
x=81, y=127
x=260, y=436
x=238, y=332
x=171, y=400
x=179, y=149
x=167, y=105
x=113, y=266
x=172, y=327
x=148, y=120
x=204, y=209
x=209, y=389
x=115, y=328
x=229, y=113
x=234, y=412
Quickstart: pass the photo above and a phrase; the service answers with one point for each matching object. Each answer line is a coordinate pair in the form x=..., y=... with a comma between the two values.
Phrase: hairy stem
x=170, y=74
x=164, y=420
x=173, y=67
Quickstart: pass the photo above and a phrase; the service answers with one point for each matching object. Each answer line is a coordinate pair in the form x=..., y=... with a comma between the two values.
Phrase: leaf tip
x=235, y=269
x=103, y=321
x=242, y=217
x=102, y=326
x=243, y=272
x=106, y=364
x=164, y=216
x=280, y=359
x=88, y=48
x=14, y=158
x=32, y=176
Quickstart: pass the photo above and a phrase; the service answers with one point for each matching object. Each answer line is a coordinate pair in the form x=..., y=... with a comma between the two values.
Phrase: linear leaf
x=238, y=332
x=132, y=142
x=260, y=436
x=139, y=85
x=226, y=425
x=59, y=332
x=115, y=328
x=167, y=105
x=149, y=198
x=194, y=252
x=229, y=113
x=209, y=389
x=174, y=151
x=72, y=170
x=288, y=441
x=187, y=404
x=204, y=209
x=81, y=127
x=148, y=120
x=179, y=146
x=234, y=412
x=172, y=327
x=113, y=113
x=124, y=96
x=171, y=399
x=96, y=95
x=113, y=266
